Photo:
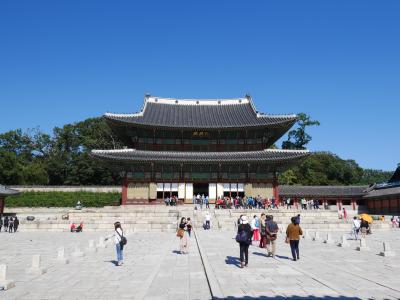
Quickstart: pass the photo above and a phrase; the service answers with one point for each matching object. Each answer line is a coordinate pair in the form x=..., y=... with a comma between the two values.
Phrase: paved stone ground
x=153, y=269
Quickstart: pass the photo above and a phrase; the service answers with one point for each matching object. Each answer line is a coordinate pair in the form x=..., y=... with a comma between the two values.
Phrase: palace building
x=185, y=147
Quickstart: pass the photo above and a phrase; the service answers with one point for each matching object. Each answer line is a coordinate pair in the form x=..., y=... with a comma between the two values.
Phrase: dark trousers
x=244, y=252
x=207, y=224
x=294, y=246
x=263, y=241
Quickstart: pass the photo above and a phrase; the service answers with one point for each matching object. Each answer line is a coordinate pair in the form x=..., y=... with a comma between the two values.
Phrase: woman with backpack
x=243, y=237
x=120, y=242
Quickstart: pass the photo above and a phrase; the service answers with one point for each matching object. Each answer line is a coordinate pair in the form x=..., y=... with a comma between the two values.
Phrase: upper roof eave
x=201, y=113
x=267, y=155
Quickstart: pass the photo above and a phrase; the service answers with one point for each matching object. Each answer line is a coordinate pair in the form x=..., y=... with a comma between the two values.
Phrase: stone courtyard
x=154, y=269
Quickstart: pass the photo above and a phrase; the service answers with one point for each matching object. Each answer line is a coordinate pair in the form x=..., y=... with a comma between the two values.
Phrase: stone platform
x=163, y=218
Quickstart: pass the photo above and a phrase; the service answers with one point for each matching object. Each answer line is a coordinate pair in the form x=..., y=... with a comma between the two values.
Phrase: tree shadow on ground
x=230, y=260
x=289, y=298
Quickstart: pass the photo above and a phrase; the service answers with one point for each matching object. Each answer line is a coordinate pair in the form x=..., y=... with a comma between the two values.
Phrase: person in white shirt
x=207, y=219
x=355, y=228
x=117, y=235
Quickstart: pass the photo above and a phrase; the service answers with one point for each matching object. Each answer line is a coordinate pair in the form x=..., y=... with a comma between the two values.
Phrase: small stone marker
x=387, y=250
x=91, y=247
x=328, y=239
x=363, y=245
x=36, y=266
x=307, y=235
x=316, y=236
x=344, y=243
x=77, y=252
x=60, y=256
x=4, y=283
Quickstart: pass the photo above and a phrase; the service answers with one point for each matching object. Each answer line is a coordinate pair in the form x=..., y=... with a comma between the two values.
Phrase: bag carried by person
x=242, y=237
x=180, y=233
x=272, y=236
x=123, y=241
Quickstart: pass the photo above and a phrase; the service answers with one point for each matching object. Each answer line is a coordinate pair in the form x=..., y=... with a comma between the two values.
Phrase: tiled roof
x=268, y=155
x=4, y=191
x=392, y=191
x=321, y=191
x=214, y=113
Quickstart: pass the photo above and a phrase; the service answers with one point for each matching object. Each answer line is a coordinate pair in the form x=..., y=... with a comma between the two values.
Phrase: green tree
x=298, y=138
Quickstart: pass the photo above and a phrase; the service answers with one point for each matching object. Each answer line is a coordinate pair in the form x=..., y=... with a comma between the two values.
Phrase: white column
x=220, y=190
x=189, y=191
x=212, y=191
x=181, y=191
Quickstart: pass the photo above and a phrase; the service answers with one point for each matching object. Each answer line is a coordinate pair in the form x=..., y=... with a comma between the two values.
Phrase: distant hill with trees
x=35, y=158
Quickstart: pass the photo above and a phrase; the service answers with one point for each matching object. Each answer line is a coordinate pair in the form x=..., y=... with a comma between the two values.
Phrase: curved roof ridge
x=196, y=101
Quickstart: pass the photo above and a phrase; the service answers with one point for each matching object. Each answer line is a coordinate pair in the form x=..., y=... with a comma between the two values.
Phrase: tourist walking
x=255, y=226
x=1, y=222
x=5, y=223
x=243, y=237
x=189, y=226
x=207, y=202
x=16, y=224
x=263, y=232
x=364, y=228
x=11, y=225
x=272, y=234
x=183, y=235
x=293, y=233
x=344, y=215
x=355, y=228
x=120, y=242
x=288, y=203
x=207, y=221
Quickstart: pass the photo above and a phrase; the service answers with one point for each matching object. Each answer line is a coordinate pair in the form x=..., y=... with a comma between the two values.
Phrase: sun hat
x=244, y=220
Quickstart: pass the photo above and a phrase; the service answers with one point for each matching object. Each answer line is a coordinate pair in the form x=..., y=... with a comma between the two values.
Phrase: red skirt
x=256, y=234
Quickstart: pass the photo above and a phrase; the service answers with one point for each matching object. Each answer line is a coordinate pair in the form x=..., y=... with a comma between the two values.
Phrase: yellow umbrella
x=366, y=217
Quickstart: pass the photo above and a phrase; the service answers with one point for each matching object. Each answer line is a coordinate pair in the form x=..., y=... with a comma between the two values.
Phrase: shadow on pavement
x=282, y=257
x=112, y=261
x=289, y=298
x=260, y=254
x=230, y=260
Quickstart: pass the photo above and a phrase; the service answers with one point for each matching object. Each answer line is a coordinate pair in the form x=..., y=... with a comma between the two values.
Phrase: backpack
x=242, y=237
x=258, y=223
x=123, y=241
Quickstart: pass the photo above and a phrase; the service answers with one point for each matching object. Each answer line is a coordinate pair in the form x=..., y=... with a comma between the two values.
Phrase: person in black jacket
x=244, y=238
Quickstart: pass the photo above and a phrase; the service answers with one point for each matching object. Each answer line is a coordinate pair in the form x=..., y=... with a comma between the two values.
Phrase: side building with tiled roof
x=185, y=147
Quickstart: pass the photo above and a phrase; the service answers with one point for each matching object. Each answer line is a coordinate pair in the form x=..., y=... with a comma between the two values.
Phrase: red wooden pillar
x=2, y=202
x=353, y=203
x=275, y=191
x=124, y=191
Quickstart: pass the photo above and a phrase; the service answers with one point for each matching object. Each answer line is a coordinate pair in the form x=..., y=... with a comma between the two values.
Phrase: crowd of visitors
x=265, y=230
x=9, y=224
x=250, y=202
x=171, y=201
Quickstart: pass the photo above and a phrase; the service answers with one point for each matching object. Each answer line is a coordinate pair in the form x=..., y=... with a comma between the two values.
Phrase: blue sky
x=338, y=61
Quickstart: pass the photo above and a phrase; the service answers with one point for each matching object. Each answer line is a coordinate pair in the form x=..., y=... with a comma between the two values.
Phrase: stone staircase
x=162, y=218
